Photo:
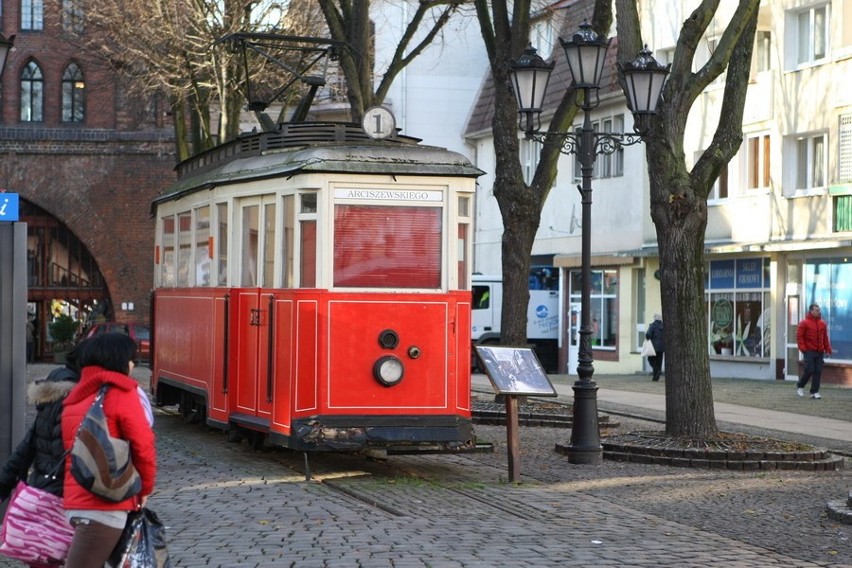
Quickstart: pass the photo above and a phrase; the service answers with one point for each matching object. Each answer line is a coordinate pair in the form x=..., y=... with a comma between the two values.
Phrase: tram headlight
x=388, y=370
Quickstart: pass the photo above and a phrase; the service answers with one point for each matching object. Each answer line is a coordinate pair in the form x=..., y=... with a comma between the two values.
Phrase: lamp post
x=644, y=79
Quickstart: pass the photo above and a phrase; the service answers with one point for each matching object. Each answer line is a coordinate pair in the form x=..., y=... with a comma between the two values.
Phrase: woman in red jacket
x=107, y=360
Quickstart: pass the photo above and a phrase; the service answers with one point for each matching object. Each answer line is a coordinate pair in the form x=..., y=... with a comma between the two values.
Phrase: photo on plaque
x=515, y=370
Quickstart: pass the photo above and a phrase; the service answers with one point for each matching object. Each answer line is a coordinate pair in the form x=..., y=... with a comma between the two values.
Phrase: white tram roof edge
x=255, y=157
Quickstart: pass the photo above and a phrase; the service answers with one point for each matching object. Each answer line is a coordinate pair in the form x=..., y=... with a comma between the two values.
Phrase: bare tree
x=169, y=48
x=678, y=196
x=506, y=34
x=349, y=21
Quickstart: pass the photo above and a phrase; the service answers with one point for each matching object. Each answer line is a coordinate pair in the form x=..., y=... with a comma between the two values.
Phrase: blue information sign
x=8, y=206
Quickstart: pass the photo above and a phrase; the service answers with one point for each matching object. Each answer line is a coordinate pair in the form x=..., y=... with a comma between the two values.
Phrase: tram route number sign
x=515, y=371
x=9, y=206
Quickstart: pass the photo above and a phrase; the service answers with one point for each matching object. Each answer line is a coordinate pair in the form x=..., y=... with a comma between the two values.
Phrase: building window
x=844, y=155
x=606, y=165
x=825, y=282
x=720, y=186
x=604, y=303
x=32, y=93
x=757, y=158
x=842, y=205
x=812, y=34
x=541, y=36
x=72, y=17
x=611, y=165
x=739, y=315
x=32, y=14
x=530, y=153
x=811, y=162
x=73, y=94
x=762, y=51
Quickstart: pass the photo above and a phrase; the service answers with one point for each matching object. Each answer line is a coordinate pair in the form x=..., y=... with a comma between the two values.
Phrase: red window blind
x=387, y=247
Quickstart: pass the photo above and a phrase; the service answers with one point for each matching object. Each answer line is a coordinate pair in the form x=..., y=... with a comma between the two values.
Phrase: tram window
x=167, y=274
x=464, y=206
x=222, y=243
x=250, y=245
x=462, y=256
x=309, y=203
x=463, y=242
x=202, y=246
x=184, y=248
x=268, y=244
x=387, y=247
x=287, y=241
x=308, y=255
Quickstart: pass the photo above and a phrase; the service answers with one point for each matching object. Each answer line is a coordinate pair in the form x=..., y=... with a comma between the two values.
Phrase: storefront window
x=603, y=301
x=828, y=282
x=738, y=310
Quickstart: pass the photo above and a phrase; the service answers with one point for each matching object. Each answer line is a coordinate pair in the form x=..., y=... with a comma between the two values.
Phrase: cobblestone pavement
x=226, y=505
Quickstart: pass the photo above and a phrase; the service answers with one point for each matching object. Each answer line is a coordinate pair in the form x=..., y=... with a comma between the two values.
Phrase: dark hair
x=112, y=351
x=72, y=358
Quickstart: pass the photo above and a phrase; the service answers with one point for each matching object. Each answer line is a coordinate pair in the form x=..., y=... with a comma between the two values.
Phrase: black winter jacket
x=41, y=453
x=656, y=335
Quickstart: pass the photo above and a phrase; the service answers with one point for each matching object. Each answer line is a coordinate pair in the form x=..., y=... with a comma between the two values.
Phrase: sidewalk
x=772, y=408
x=226, y=505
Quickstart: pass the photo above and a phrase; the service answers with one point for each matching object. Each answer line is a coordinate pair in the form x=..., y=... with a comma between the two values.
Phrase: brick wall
x=98, y=177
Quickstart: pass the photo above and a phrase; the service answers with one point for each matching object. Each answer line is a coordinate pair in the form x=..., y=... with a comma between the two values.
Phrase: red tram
x=312, y=290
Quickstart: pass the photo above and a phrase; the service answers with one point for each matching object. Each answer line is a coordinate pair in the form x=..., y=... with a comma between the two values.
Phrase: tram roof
x=325, y=148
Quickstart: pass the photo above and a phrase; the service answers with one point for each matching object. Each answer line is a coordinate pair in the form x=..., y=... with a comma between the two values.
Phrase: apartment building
x=779, y=235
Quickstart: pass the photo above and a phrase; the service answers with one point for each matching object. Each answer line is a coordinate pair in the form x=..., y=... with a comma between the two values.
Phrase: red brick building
x=86, y=159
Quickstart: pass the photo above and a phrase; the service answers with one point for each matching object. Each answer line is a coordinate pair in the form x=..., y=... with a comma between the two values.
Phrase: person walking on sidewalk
x=658, y=340
x=812, y=338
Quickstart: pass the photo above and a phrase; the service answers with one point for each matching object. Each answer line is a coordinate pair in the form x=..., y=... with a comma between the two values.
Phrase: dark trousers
x=91, y=545
x=813, y=370
x=656, y=362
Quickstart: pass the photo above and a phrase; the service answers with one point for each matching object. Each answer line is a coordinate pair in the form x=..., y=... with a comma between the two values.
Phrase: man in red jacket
x=812, y=337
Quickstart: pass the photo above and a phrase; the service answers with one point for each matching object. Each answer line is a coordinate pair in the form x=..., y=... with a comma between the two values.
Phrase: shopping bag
x=648, y=349
x=142, y=544
x=35, y=529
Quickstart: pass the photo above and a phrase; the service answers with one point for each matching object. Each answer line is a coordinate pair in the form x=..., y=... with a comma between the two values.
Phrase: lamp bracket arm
x=570, y=142
x=611, y=142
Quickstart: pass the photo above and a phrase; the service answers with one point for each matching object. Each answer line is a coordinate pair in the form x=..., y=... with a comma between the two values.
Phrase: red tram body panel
x=319, y=307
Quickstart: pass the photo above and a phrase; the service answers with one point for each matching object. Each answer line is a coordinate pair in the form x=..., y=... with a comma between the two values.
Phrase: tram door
x=254, y=309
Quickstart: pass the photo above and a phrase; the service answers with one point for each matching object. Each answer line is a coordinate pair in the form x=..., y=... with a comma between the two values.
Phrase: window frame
x=32, y=15
x=805, y=46
x=73, y=108
x=757, y=167
x=33, y=94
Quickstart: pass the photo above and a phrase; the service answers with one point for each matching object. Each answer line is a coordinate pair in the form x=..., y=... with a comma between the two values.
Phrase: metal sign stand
x=514, y=372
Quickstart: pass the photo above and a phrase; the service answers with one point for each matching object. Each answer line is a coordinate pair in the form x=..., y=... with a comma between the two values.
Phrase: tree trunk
x=681, y=221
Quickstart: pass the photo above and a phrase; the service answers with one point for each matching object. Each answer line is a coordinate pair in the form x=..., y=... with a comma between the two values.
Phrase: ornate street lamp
x=644, y=78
